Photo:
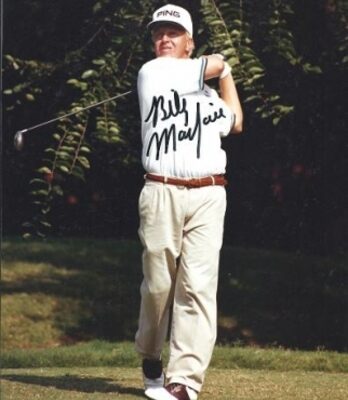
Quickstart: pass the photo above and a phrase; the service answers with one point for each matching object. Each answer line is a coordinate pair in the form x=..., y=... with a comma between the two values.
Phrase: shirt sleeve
x=189, y=74
x=166, y=73
x=226, y=124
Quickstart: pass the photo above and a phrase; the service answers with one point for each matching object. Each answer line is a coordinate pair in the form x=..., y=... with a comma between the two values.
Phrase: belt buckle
x=193, y=183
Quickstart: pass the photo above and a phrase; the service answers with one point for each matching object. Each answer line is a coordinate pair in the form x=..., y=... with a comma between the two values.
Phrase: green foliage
x=280, y=39
x=338, y=12
x=257, y=39
x=231, y=26
x=28, y=76
x=107, y=70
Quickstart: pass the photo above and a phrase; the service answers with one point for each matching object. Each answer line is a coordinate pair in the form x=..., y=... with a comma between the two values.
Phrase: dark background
x=287, y=183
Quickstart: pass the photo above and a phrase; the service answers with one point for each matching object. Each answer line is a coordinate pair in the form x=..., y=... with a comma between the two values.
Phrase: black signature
x=165, y=109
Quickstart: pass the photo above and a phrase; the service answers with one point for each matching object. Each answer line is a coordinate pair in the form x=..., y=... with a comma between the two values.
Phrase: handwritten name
x=164, y=109
x=174, y=108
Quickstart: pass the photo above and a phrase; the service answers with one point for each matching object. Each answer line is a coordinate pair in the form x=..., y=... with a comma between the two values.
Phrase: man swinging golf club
x=182, y=204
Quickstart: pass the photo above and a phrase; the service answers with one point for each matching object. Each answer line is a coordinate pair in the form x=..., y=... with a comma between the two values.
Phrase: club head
x=18, y=140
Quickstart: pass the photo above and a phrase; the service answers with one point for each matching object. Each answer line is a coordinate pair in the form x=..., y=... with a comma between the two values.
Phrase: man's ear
x=190, y=46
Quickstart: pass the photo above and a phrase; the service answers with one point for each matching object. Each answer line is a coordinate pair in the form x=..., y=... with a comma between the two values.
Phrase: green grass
x=70, y=309
x=64, y=291
x=122, y=354
x=125, y=383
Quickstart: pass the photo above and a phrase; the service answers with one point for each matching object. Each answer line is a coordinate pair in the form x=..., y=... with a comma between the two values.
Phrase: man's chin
x=166, y=54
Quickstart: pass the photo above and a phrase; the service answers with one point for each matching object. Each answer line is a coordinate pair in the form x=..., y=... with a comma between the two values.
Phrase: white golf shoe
x=154, y=378
x=158, y=393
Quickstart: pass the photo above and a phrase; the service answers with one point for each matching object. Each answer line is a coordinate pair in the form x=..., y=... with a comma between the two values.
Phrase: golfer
x=182, y=204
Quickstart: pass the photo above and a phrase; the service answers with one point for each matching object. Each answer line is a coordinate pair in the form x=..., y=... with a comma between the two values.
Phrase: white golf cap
x=172, y=14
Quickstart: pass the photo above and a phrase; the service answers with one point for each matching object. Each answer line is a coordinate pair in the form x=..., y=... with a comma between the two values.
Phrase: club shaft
x=75, y=112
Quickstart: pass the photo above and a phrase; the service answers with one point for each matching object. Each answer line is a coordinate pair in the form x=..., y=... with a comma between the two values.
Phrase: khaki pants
x=181, y=231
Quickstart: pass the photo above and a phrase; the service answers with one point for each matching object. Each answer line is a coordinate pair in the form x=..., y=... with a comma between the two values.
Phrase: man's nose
x=165, y=37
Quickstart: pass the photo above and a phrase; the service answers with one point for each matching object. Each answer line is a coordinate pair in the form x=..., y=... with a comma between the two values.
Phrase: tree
x=280, y=70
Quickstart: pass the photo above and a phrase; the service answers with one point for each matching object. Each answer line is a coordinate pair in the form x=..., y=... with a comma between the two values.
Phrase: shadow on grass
x=95, y=284
x=75, y=383
x=283, y=299
x=265, y=297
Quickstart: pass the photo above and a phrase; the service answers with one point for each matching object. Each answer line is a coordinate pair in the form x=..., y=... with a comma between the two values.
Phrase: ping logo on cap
x=172, y=13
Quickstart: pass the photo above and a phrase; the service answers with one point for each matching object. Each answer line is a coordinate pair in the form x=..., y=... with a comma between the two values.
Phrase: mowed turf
x=70, y=307
x=102, y=370
x=122, y=354
x=125, y=383
x=63, y=291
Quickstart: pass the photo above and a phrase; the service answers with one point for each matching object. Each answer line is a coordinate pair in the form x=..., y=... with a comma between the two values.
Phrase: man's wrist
x=219, y=56
x=226, y=71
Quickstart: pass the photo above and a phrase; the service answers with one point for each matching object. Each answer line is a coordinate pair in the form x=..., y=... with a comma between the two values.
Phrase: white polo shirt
x=183, y=119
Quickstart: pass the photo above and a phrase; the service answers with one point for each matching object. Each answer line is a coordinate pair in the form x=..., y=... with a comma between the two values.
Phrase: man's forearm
x=229, y=94
x=217, y=68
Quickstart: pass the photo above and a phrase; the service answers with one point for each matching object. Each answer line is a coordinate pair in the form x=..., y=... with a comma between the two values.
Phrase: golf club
x=19, y=140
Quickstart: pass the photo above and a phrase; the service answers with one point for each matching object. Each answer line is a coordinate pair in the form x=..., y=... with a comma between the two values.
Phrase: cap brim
x=153, y=24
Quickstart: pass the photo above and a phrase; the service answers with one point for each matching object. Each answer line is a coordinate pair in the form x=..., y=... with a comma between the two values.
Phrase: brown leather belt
x=190, y=183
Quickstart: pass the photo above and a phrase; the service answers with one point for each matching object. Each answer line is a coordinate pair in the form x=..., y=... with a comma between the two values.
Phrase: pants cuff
x=185, y=381
x=156, y=355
